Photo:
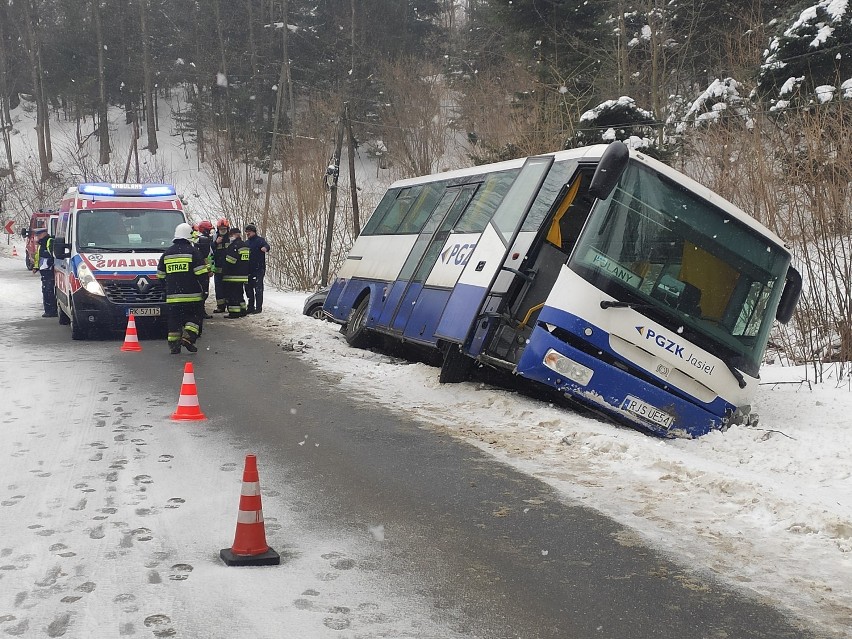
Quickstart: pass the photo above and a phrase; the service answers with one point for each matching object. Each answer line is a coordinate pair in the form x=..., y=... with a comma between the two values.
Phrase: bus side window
x=421, y=210
x=485, y=202
x=397, y=211
x=376, y=220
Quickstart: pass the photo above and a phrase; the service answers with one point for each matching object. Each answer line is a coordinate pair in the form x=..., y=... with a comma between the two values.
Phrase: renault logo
x=143, y=284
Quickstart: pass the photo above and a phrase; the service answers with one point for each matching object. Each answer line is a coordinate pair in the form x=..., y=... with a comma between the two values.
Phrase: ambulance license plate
x=646, y=411
x=152, y=311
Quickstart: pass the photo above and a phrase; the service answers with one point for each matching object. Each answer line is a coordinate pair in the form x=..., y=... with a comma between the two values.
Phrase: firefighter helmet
x=205, y=225
x=222, y=222
x=183, y=231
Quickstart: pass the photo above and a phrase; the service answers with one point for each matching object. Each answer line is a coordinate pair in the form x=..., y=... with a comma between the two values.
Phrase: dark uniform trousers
x=254, y=290
x=184, y=316
x=48, y=291
x=44, y=257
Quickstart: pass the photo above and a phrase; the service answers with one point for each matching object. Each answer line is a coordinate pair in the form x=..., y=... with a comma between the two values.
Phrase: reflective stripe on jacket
x=181, y=267
x=236, y=267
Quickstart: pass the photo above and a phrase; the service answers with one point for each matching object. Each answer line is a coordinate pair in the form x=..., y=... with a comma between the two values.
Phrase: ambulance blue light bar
x=158, y=189
x=138, y=190
x=96, y=188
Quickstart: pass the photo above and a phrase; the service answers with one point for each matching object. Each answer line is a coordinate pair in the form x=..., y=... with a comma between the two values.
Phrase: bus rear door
x=417, y=308
x=492, y=267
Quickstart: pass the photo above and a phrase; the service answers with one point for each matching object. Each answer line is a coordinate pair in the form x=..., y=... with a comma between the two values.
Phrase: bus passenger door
x=425, y=253
x=492, y=266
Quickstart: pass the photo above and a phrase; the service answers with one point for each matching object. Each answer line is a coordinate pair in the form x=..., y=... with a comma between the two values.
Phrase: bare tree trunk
x=151, y=120
x=5, y=115
x=658, y=66
x=353, y=190
x=223, y=156
x=272, y=149
x=103, y=120
x=623, y=73
x=199, y=93
x=45, y=106
x=291, y=102
x=255, y=72
x=31, y=46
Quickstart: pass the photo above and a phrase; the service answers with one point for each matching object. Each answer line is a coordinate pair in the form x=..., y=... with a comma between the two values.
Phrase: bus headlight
x=88, y=281
x=568, y=367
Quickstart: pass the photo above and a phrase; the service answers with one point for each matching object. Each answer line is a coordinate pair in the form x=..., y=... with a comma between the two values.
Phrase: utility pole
x=356, y=221
x=331, y=176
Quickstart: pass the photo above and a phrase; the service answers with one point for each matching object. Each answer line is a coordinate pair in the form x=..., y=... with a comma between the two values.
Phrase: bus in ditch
x=599, y=272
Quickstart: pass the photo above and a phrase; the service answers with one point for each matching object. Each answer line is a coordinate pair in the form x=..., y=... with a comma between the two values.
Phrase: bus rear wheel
x=356, y=333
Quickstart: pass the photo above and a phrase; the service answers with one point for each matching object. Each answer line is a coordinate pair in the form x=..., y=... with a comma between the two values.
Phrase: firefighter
x=183, y=270
x=218, y=248
x=235, y=274
x=43, y=265
x=204, y=244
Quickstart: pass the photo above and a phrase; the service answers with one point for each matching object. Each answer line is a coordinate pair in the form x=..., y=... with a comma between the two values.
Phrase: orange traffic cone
x=250, y=547
x=131, y=339
x=14, y=251
x=188, y=407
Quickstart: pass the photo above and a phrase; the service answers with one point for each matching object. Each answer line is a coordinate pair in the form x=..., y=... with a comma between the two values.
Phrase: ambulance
x=109, y=239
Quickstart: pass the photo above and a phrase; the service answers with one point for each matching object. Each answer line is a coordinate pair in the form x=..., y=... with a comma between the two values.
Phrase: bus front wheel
x=455, y=367
x=356, y=333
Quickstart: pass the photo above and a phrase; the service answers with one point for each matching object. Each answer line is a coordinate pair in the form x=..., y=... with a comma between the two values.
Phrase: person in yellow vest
x=43, y=265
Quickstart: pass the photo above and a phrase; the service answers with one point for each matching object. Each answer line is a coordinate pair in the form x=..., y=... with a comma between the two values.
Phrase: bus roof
x=593, y=153
x=587, y=151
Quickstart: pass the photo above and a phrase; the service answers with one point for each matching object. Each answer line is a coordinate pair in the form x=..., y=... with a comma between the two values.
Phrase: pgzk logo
x=673, y=347
x=661, y=340
x=459, y=254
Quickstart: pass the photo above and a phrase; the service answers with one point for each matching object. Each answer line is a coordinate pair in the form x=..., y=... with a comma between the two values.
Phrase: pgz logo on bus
x=459, y=253
x=673, y=347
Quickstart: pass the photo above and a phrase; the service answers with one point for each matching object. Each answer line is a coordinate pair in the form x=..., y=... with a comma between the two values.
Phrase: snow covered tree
x=719, y=102
x=620, y=119
x=810, y=60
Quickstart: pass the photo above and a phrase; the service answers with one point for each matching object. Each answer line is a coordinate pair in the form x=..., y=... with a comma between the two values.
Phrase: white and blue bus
x=599, y=272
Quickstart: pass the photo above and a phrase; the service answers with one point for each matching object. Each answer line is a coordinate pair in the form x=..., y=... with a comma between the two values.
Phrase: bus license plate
x=153, y=311
x=646, y=411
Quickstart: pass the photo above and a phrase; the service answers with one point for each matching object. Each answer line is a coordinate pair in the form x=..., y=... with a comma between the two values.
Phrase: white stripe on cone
x=250, y=489
x=250, y=517
x=188, y=400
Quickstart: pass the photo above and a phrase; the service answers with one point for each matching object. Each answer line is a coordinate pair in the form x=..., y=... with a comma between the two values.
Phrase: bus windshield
x=685, y=263
x=126, y=230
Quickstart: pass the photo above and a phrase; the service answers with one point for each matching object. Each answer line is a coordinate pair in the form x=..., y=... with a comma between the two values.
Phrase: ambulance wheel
x=356, y=333
x=78, y=331
x=64, y=320
x=455, y=367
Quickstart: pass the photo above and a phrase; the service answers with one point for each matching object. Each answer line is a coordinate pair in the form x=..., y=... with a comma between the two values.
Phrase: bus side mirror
x=790, y=296
x=611, y=166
